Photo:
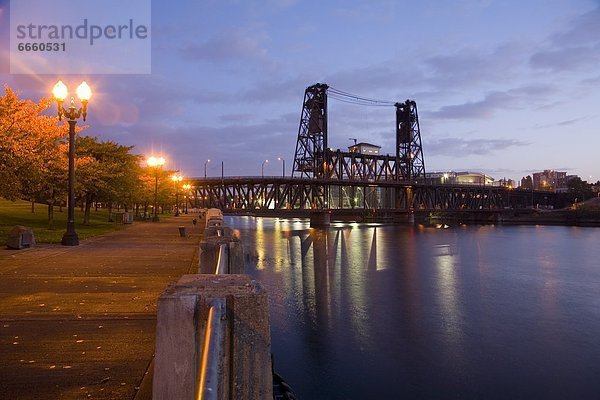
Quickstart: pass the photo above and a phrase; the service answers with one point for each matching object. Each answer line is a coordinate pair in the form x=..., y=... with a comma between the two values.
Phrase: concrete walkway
x=79, y=322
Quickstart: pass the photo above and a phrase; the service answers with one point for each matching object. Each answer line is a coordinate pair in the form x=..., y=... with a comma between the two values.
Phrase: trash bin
x=20, y=237
x=182, y=231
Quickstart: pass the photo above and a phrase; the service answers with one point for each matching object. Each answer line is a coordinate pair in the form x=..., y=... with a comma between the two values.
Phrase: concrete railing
x=213, y=337
x=208, y=387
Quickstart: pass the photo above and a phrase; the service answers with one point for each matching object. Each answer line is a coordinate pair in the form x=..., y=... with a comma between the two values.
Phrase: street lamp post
x=84, y=93
x=186, y=188
x=262, y=168
x=206, y=162
x=156, y=163
x=177, y=179
x=283, y=167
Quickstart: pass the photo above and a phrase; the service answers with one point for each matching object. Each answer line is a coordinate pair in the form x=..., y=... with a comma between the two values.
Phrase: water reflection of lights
x=446, y=261
x=329, y=276
x=261, y=245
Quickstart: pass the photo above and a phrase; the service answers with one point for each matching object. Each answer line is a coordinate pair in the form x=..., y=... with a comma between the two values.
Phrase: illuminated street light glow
x=176, y=178
x=156, y=163
x=186, y=188
x=71, y=114
x=60, y=91
x=84, y=92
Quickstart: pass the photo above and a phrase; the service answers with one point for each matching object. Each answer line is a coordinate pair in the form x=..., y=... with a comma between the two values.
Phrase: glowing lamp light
x=60, y=91
x=84, y=92
x=155, y=161
x=72, y=114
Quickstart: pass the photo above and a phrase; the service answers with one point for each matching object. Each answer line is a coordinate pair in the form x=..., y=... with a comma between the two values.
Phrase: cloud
x=567, y=58
x=465, y=147
x=576, y=47
x=470, y=66
x=231, y=46
x=478, y=109
x=380, y=11
x=566, y=122
x=273, y=90
x=241, y=146
x=377, y=79
x=237, y=118
x=512, y=99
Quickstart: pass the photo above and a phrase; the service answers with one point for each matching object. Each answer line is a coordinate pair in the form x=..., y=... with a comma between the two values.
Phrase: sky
x=503, y=87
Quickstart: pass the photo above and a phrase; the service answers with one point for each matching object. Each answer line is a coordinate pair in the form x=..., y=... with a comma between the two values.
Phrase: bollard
x=182, y=231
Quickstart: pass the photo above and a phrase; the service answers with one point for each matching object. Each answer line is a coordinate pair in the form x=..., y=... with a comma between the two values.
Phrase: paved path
x=79, y=322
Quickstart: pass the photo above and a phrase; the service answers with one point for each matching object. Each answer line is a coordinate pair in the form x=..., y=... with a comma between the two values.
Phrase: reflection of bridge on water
x=333, y=273
x=354, y=183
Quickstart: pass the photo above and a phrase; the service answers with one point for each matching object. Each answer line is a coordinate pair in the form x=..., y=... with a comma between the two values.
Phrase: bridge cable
x=355, y=99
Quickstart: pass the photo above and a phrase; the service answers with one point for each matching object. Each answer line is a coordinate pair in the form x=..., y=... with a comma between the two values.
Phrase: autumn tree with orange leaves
x=34, y=160
x=30, y=149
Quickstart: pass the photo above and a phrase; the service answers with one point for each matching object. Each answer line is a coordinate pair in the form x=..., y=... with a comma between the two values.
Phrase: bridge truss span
x=248, y=194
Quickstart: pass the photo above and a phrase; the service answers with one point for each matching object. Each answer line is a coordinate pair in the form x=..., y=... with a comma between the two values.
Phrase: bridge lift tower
x=316, y=161
x=409, y=149
x=313, y=154
x=309, y=161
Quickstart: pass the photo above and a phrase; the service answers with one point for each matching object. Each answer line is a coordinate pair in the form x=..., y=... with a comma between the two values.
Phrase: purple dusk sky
x=504, y=87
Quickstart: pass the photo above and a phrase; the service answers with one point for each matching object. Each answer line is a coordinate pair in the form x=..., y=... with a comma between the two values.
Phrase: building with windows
x=460, y=178
x=365, y=148
x=551, y=180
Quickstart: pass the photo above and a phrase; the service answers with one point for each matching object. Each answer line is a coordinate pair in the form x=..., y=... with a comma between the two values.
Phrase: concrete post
x=245, y=365
x=209, y=252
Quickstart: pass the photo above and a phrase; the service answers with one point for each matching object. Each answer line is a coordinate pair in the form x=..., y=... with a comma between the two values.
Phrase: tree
x=579, y=189
x=107, y=172
x=28, y=142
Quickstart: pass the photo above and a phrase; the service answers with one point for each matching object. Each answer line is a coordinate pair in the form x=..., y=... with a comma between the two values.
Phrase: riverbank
x=582, y=216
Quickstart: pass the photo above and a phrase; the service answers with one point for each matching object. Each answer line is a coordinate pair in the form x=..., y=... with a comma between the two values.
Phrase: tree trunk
x=51, y=216
x=32, y=206
x=88, y=206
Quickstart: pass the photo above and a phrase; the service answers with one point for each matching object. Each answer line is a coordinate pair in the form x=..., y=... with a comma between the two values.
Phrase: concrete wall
x=245, y=367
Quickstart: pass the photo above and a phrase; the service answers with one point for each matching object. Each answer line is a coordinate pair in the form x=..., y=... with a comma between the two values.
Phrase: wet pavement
x=79, y=322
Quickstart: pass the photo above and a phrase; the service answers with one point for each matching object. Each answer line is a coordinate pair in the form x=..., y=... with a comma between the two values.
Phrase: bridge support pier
x=320, y=219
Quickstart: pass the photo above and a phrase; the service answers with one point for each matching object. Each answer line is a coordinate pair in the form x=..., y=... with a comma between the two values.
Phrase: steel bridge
x=293, y=196
x=353, y=182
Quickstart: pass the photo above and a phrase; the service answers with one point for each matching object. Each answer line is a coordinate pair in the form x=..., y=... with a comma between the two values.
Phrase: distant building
x=365, y=148
x=550, y=179
x=460, y=178
x=474, y=178
x=441, y=178
x=509, y=183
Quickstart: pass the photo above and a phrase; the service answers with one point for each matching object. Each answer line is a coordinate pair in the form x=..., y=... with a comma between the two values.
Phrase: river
x=368, y=311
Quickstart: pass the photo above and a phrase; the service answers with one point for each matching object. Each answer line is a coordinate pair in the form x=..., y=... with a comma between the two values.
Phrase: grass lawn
x=19, y=213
